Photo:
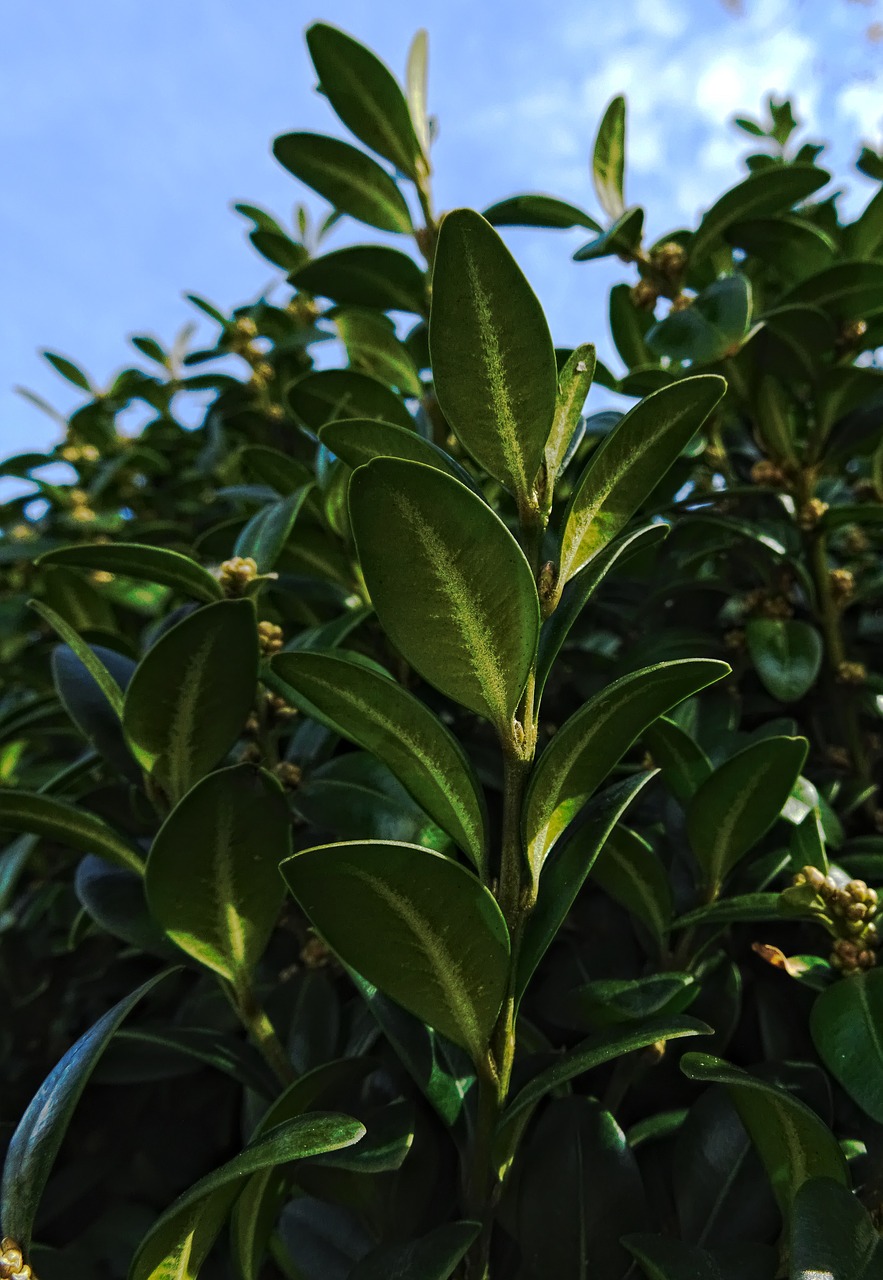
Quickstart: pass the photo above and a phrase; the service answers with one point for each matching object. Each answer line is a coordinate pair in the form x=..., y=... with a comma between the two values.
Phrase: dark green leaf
x=574, y=382
x=622, y=238
x=663, y=1258
x=373, y=348
x=416, y=925
x=746, y=908
x=768, y=191
x=590, y=743
x=213, y=872
x=492, y=355
x=68, y=825
x=134, y=560
x=741, y=800
x=191, y=693
x=682, y=762
x=791, y=1140
x=86, y=655
x=629, y=464
x=846, y=1027
x=538, y=211
x=348, y=179
x=365, y=95
x=331, y=394
x=629, y=870
x=449, y=584
x=376, y=713
x=68, y=370
x=40, y=1132
x=787, y=654
x=832, y=1235
x=365, y=276
x=264, y=537
x=358, y=440
x=433, y=1257
x=711, y=328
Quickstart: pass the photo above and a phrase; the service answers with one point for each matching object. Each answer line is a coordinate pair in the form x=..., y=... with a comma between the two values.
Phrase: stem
x=255, y=1020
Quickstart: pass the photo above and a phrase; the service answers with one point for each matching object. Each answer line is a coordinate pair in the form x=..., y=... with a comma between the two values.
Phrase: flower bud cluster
x=270, y=637
x=12, y=1264
x=236, y=574
x=850, y=909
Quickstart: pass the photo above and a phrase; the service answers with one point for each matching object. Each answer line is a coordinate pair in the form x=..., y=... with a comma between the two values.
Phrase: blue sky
x=128, y=128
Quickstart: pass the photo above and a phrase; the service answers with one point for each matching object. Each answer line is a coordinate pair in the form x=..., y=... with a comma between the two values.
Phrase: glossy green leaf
x=597, y=1049
x=629, y=464
x=40, y=1132
x=848, y=290
x=566, y=871
x=190, y=695
x=741, y=800
x=68, y=825
x=832, y=1235
x=264, y=537
x=274, y=468
x=711, y=328
x=179, y=1242
x=846, y=1027
x=213, y=872
x=768, y=191
x=793, y=248
x=538, y=211
x=629, y=870
x=608, y=161
x=791, y=1140
x=376, y=713
x=365, y=276
x=582, y=587
x=622, y=238
x=449, y=583
x=134, y=560
x=86, y=655
x=578, y=1192
x=359, y=440
x=787, y=655
x=745, y=908
x=434, y=1256
x=664, y=1258
x=682, y=762
x=415, y=924
x=629, y=326
x=590, y=743
x=373, y=348
x=613, y=1001
x=492, y=356
x=365, y=95
x=348, y=179
x=331, y=394
x=574, y=382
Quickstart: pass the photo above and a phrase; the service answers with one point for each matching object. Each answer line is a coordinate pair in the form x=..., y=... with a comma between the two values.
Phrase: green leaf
x=787, y=655
x=566, y=871
x=67, y=824
x=86, y=654
x=614, y=1001
x=863, y=238
x=581, y=588
x=274, y=468
x=322, y=397
x=358, y=441
x=578, y=1192
x=68, y=370
x=745, y=908
x=622, y=238
x=791, y=1140
x=365, y=95
x=365, y=276
x=373, y=711
x=792, y=248
x=415, y=924
x=213, y=872
x=848, y=290
x=40, y=1132
x=846, y=1024
x=741, y=800
x=492, y=354
x=663, y=1258
x=191, y=693
x=608, y=161
x=538, y=211
x=711, y=328
x=629, y=871
x=373, y=348
x=134, y=560
x=832, y=1235
x=348, y=179
x=682, y=762
x=417, y=80
x=629, y=326
x=574, y=382
x=597, y=1049
x=450, y=585
x=766, y=192
x=434, y=1256
x=629, y=464
x=267, y=532
x=179, y=1242
x=590, y=743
